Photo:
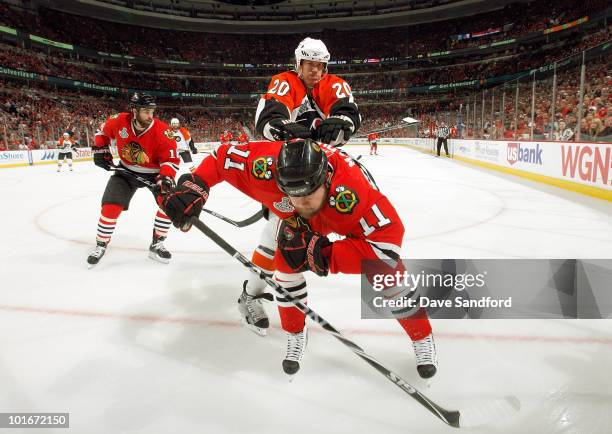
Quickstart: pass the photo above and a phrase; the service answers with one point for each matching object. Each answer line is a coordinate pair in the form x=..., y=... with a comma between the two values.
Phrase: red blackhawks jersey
x=152, y=151
x=287, y=98
x=226, y=138
x=353, y=208
x=372, y=137
x=242, y=139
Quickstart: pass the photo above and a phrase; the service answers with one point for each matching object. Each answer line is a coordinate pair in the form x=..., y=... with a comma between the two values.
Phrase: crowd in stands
x=461, y=70
x=35, y=115
x=517, y=19
x=513, y=120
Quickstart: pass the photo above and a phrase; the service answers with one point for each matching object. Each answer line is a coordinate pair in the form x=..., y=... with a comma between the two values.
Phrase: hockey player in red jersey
x=305, y=103
x=314, y=190
x=225, y=138
x=147, y=147
x=242, y=138
x=373, y=140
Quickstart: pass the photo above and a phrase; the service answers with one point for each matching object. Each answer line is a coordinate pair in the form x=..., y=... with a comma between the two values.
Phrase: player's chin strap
x=151, y=185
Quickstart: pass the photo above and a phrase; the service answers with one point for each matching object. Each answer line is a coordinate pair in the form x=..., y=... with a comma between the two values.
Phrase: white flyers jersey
x=182, y=138
x=65, y=145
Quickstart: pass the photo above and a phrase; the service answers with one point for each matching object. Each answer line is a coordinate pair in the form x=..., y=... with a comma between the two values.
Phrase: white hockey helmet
x=311, y=49
x=174, y=121
x=66, y=135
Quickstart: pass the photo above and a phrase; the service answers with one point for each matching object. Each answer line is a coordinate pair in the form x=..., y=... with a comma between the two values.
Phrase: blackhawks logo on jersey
x=262, y=168
x=344, y=200
x=169, y=133
x=133, y=153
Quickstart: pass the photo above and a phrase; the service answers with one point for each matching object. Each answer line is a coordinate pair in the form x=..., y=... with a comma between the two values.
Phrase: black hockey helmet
x=301, y=167
x=142, y=100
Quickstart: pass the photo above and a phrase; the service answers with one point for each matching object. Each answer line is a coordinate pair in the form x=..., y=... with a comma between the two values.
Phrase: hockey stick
x=150, y=185
x=451, y=418
x=405, y=122
x=470, y=417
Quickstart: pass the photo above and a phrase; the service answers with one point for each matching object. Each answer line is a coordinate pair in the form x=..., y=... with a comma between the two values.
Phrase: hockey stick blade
x=451, y=418
x=150, y=185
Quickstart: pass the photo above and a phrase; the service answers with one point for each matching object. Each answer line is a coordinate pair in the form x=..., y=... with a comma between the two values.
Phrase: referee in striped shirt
x=443, y=134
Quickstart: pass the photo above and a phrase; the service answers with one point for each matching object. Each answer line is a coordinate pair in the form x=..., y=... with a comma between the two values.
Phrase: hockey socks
x=107, y=222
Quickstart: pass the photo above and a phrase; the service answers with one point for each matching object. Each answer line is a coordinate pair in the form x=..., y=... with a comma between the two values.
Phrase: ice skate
x=95, y=256
x=158, y=252
x=426, y=356
x=296, y=345
x=252, y=312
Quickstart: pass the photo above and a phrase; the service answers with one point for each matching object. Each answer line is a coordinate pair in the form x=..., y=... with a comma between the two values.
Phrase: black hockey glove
x=184, y=201
x=102, y=157
x=194, y=150
x=334, y=130
x=301, y=248
x=163, y=184
x=286, y=130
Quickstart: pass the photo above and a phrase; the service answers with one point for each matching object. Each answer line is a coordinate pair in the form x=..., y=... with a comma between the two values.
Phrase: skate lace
x=98, y=252
x=295, y=346
x=425, y=351
x=159, y=246
x=254, y=306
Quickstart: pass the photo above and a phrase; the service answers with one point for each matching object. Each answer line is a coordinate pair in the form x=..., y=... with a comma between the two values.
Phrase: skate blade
x=158, y=258
x=257, y=330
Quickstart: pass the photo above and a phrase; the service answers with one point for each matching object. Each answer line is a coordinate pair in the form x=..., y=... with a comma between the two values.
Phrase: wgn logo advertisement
x=590, y=163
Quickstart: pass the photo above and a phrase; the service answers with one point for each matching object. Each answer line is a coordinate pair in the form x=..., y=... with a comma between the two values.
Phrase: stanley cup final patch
x=343, y=200
x=284, y=205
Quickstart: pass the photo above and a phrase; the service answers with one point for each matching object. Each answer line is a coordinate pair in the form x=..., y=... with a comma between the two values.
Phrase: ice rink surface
x=135, y=346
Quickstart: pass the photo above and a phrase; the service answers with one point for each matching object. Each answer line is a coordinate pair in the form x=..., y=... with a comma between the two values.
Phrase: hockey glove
x=163, y=184
x=102, y=157
x=286, y=130
x=303, y=249
x=335, y=130
x=193, y=148
x=184, y=201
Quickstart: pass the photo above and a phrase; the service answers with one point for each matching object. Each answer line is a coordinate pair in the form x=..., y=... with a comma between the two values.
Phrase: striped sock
x=292, y=319
x=107, y=222
x=162, y=225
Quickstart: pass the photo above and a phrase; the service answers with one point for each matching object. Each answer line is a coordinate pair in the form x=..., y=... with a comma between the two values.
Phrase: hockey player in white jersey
x=65, y=146
x=184, y=142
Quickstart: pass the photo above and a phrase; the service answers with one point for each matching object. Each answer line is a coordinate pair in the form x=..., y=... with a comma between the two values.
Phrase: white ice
x=135, y=346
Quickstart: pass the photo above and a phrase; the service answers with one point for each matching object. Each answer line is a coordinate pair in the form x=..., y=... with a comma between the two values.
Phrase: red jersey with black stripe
x=353, y=206
x=151, y=151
